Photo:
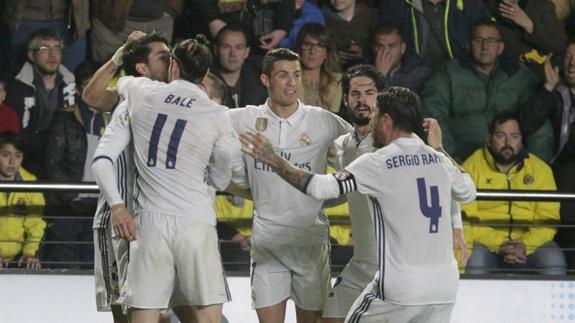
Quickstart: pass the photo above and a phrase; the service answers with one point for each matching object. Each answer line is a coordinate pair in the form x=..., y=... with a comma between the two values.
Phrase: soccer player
x=142, y=55
x=177, y=133
x=410, y=187
x=290, y=240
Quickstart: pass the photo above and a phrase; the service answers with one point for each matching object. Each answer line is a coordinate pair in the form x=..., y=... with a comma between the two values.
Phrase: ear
x=30, y=55
x=247, y=52
x=265, y=80
x=174, y=70
x=501, y=47
x=403, y=48
x=205, y=76
x=141, y=68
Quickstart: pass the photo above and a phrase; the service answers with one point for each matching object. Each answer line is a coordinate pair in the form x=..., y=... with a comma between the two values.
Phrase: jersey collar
x=292, y=120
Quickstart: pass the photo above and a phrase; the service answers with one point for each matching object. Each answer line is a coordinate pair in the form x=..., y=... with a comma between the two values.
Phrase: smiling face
x=10, y=162
x=361, y=99
x=283, y=83
x=569, y=66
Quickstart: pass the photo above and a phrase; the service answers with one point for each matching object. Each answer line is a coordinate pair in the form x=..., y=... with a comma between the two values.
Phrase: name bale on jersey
x=184, y=102
x=408, y=160
x=306, y=165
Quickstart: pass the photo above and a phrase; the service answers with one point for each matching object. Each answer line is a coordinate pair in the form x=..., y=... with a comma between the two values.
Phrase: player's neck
x=283, y=111
x=363, y=130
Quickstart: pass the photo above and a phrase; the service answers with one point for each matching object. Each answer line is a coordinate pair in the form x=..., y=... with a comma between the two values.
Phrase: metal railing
x=490, y=195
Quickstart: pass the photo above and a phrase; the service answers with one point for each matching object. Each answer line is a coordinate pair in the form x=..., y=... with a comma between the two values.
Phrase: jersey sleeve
x=362, y=170
x=226, y=151
x=462, y=186
x=115, y=139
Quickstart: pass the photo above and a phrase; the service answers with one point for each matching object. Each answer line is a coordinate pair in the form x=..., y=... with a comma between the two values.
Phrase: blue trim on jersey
x=380, y=237
x=122, y=177
x=362, y=308
x=102, y=157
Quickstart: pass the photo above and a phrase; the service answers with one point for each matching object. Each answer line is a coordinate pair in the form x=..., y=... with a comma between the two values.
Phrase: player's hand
x=123, y=222
x=258, y=147
x=135, y=35
x=245, y=241
x=30, y=261
x=434, y=134
x=459, y=244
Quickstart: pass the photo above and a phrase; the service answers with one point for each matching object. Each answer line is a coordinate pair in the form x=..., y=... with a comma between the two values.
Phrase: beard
x=501, y=158
x=359, y=120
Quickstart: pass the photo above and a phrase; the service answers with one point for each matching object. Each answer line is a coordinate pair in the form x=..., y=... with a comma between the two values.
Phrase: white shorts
x=348, y=286
x=299, y=272
x=111, y=256
x=173, y=251
x=369, y=308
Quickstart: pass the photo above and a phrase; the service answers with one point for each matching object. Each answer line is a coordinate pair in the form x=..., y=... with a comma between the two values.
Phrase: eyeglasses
x=311, y=46
x=489, y=41
x=49, y=50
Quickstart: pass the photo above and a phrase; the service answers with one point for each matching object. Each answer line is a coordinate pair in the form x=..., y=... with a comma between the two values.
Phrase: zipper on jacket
x=509, y=208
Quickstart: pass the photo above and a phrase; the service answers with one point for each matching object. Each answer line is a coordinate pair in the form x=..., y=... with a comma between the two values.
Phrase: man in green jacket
x=466, y=93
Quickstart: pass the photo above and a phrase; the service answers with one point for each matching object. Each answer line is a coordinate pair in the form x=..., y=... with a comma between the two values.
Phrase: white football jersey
x=410, y=187
x=349, y=147
x=284, y=215
x=117, y=133
x=176, y=131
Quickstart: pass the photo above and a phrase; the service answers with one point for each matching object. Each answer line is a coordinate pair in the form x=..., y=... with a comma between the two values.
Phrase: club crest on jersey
x=261, y=124
x=304, y=139
x=528, y=179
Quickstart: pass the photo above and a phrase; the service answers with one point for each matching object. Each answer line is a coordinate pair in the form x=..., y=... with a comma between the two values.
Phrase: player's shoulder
x=246, y=113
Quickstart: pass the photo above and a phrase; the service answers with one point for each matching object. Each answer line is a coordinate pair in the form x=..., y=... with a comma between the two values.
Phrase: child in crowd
x=21, y=224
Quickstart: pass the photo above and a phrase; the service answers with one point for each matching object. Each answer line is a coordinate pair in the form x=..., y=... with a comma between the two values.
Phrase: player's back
x=410, y=192
x=175, y=128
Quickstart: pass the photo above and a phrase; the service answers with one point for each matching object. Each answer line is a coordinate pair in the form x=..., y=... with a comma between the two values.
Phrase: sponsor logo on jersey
x=261, y=124
x=528, y=179
x=304, y=139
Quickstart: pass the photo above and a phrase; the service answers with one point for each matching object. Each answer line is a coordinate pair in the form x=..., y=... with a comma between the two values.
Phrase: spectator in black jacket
x=556, y=100
x=42, y=87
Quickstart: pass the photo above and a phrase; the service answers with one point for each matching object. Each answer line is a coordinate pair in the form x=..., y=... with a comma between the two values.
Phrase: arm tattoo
x=298, y=178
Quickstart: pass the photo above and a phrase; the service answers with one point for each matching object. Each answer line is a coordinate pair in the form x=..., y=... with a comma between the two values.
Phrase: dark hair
x=12, y=138
x=138, y=51
x=232, y=28
x=502, y=118
x=85, y=71
x=362, y=70
x=194, y=58
x=219, y=89
x=278, y=54
x=388, y=28
x=402, y=105
x=35, y=39
x=483, y=23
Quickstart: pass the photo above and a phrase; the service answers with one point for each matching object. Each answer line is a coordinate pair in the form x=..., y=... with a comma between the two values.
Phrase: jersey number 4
x=432, y=212
x=172, y=146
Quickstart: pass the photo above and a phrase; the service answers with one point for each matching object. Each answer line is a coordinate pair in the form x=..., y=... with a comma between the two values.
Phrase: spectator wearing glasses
x=41, y=87
x=530, y=29
x=465, y=94
x=321, y=69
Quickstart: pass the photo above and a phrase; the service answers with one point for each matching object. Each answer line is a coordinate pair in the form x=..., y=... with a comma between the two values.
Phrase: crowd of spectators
x=470, y=61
